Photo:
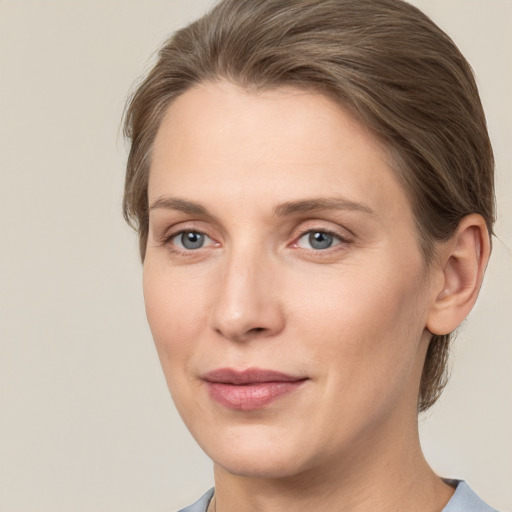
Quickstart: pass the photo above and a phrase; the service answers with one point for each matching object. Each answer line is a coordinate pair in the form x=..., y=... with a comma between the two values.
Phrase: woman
x=312, y=183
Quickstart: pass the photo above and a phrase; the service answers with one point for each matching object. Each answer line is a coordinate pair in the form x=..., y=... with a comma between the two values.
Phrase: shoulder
x=465, y=500
x=201, y=504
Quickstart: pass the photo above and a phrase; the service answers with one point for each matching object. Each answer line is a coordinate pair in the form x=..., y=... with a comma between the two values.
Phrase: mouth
x=249, y=389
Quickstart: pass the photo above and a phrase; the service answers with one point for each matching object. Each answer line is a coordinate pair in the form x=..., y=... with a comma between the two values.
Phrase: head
x=383, y=63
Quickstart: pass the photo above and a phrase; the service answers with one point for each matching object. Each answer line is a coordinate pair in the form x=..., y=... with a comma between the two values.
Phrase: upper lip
x=249, y=376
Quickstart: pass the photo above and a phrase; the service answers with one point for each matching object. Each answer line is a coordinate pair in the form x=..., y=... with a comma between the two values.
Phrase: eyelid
x=341, y=232
x=344, y=237
x=170, y=231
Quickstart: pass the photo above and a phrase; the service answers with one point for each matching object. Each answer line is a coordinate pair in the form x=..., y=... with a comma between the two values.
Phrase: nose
x=248, y=303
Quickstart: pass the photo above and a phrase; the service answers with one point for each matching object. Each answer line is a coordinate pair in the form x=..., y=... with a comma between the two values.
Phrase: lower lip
x=251, y=396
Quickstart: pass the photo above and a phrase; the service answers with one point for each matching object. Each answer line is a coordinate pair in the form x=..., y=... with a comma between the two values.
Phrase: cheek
x=176, y=309
x=364, y=338
x=367, y=323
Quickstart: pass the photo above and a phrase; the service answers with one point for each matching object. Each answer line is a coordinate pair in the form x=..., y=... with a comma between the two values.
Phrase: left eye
x=191, y=240
x=318, y=240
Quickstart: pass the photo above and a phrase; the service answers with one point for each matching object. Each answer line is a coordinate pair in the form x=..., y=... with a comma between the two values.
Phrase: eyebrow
x=282, y=210
x=181, y=205
x=316, y=204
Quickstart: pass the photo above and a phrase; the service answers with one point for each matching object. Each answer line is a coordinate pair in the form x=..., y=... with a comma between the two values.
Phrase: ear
x=461, y=266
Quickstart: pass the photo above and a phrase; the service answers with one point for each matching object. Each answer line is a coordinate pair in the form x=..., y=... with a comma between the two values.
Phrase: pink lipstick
x=249, y=389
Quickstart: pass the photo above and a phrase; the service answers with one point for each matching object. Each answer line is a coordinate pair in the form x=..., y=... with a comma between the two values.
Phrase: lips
x=249, y=389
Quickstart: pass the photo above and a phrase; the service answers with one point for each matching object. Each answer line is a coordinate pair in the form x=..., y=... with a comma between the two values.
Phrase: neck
x=360, y=481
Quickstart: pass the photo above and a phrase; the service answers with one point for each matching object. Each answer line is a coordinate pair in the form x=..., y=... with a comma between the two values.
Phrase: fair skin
x=280, y=240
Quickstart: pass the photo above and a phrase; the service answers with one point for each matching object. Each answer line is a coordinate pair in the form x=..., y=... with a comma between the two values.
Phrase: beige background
x=86, y=423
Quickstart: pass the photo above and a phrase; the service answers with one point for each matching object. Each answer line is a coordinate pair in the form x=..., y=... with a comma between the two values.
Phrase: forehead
x=268, y=146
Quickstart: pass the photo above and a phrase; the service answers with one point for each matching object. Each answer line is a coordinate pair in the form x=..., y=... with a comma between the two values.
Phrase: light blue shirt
x=463, y=500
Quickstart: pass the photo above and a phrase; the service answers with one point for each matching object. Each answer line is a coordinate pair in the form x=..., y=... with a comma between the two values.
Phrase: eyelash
x=344, y=241
x=341, y=239
x=167, y=241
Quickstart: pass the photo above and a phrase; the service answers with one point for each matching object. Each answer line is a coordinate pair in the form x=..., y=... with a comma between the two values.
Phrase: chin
x=259, y=465
x=256, y=455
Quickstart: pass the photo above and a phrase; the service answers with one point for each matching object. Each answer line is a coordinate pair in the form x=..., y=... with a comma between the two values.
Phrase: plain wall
x=86, y=423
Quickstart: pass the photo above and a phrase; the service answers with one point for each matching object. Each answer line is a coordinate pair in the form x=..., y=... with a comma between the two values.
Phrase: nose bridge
x=247, y=304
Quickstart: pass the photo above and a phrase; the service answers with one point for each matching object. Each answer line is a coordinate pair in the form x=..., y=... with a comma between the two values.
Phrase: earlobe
x=462, y=262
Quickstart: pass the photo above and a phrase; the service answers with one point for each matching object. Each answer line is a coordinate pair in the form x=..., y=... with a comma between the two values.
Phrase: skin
x=352, y=319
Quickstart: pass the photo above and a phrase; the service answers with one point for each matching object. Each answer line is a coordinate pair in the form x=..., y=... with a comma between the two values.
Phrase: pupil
x=192, y=240
x=320, y=240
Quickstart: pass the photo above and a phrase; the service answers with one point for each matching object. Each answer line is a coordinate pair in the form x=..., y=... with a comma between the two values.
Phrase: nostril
x=255, y=332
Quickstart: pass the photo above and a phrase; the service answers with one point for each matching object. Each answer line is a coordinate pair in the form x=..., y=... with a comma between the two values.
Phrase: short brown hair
x=383, y=60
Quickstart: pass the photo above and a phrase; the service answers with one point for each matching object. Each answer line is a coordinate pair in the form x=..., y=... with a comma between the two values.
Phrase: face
x=283, y=280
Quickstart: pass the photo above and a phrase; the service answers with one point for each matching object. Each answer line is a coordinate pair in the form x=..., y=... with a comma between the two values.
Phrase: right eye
x=190, y=240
